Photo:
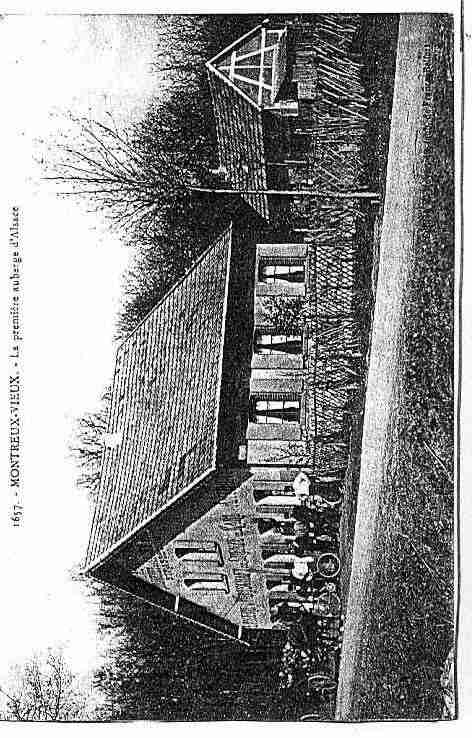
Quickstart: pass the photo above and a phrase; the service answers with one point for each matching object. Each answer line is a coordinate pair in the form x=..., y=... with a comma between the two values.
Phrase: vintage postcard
x=232, y=259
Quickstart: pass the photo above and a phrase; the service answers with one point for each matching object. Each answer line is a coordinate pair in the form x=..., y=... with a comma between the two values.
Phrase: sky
x=72, y=270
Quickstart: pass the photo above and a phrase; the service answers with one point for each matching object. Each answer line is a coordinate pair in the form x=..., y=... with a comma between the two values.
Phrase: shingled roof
x=164, y=404
x=245, y=78
x=240, y=142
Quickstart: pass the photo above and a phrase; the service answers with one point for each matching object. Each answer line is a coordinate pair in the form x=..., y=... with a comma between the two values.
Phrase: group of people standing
x=313, y=529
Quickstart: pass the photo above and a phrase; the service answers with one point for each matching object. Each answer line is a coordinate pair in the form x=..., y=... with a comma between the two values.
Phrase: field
x=400, y=620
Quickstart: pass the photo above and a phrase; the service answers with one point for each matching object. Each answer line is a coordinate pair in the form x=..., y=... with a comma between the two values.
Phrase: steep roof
x=244, y=78
x=254, y=64
x=165, y=402
x=240, y=142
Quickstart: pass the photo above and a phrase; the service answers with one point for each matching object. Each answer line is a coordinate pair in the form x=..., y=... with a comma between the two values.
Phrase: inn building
x=213, y=403
x=209, y=408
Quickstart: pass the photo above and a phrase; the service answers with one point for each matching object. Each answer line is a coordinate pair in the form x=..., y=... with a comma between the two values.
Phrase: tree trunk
x=293, y=193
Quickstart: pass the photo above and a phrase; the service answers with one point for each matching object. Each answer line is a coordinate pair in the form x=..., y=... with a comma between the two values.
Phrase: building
x=290, y=110
x=208, y=407
x=216, y=405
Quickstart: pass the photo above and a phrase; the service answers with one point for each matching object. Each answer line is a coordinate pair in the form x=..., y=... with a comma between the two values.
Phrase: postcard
x=232, y=266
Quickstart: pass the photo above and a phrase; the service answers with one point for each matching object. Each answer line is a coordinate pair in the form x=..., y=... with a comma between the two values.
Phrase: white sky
x=72, y=273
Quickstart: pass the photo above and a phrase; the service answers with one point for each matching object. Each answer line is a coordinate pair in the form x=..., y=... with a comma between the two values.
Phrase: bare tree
x=87, y=445
x=44, y=688
x=137, y=175
x=126, y=172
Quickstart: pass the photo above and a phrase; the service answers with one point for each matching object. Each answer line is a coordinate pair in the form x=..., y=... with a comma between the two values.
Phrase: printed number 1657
x=17, y=514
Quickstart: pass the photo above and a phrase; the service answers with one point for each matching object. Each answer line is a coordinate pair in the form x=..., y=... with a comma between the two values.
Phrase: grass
x=408, y=627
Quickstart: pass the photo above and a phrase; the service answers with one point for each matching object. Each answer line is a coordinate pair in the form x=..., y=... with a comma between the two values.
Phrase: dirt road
x=404, y=175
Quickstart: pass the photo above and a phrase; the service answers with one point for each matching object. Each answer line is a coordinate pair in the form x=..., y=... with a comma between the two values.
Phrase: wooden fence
x=327, y=138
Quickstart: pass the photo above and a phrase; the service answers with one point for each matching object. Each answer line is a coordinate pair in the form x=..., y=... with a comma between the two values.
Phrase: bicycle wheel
x=328, y=565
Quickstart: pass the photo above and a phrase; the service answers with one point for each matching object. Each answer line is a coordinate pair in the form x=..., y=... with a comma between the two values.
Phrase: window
x=279, y=271
x=207, y=582
x=208, y=551
x=272, y=343
x=275, y=411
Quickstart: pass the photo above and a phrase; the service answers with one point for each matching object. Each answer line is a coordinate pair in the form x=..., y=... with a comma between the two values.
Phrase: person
x=325, y=517
x=323, y=543
x=289, y=611
x=301, y=575
x=319, y=517
x=303, y=544
x=300, y=528
x=302, y=514
x=284, y=527
x=306, y=543
x=301, y=567
x=301, y=486
x=320, y=504
x=306, y=522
